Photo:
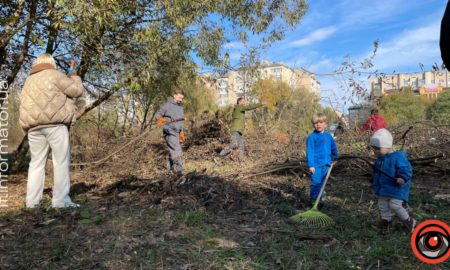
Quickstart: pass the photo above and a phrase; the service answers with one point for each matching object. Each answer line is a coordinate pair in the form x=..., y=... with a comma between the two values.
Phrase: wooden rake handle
x=173, y=121
x=323, y=186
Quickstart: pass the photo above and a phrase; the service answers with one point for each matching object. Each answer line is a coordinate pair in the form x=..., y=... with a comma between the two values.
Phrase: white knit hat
x=382, y=138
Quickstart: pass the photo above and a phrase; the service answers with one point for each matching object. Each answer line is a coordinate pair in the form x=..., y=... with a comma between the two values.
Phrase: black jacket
x=445, y=37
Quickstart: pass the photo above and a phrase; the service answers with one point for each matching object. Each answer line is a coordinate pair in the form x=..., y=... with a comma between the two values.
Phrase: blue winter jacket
x=397, y=165
x=319, y=148
x=171, y=111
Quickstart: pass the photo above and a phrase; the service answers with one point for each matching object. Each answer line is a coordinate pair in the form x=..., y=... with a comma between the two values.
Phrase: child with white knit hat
x=392, y=192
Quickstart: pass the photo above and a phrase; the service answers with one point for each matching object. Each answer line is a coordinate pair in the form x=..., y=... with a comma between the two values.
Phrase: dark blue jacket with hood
x=397, y=165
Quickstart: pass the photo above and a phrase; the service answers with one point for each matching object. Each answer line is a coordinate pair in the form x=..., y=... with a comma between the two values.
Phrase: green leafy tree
x=403, y=106
x=119, y=43
x=276, y=92
x=439, y=111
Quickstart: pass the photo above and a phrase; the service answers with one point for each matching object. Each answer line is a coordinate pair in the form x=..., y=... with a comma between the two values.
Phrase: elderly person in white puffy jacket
x=47, y=109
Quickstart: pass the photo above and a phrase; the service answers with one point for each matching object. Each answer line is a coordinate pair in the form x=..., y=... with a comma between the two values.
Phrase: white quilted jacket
x=47, y=99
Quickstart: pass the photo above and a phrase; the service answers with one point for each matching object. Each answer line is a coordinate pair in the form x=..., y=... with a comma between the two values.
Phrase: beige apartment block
x=228, y=88
x=303, y=80
x=417, y=80
x=222, y=86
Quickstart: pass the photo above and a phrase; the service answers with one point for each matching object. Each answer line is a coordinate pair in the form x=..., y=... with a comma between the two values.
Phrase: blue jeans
x=317, y=180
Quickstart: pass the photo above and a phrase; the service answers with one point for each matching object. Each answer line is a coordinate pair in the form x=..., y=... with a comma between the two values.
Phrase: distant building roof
x=359, y=106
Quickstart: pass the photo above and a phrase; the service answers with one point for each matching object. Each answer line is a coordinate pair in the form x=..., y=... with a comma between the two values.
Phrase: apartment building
x=428, y=83
x=227, y=88
x=222, y=95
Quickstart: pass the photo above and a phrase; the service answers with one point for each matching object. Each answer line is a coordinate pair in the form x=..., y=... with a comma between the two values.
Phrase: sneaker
x=324, y=203
x=381, y=224
x=409, y=225
x=67, y=205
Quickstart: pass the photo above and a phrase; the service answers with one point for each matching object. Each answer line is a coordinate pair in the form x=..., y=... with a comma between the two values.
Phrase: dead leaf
x=251, y=244
x=279, y=260
x=223, y=243
x=99, y=250
x=45, y=223
x=331, y=243
x=442, y=196
x=150, y=240
x=124, y=194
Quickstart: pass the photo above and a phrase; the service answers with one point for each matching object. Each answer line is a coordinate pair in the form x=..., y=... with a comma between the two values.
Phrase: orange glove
x=160, y=121
x=182, y=138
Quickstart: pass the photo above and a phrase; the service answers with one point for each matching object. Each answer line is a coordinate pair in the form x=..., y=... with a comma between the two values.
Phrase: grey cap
x=382, y=138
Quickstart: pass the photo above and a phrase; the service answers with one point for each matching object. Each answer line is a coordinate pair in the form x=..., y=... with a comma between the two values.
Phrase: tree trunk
x=19, y=154
x=53, y=33
x=12, y=76
x=7, y=34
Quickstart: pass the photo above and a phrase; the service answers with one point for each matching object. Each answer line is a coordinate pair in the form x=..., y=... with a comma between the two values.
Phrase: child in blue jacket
x=320, y=146
x=391, y=192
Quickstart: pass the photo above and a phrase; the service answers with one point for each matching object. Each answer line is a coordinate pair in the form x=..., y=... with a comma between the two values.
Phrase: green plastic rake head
x=314, y=217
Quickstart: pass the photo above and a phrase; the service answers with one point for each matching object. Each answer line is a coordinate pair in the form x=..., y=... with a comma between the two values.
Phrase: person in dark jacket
x=391, y=192
x=375, y=122
x=445, y=37
x=341, y=128
x=173, y=132
x=238, y=126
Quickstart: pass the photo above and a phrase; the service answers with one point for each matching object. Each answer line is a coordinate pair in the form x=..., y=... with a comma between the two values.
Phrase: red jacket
x=376, y=122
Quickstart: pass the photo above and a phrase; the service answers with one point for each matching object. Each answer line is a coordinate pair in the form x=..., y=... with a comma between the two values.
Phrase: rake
x=313, y=217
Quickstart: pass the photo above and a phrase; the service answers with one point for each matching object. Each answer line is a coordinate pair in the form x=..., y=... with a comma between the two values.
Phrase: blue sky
x=407, y=30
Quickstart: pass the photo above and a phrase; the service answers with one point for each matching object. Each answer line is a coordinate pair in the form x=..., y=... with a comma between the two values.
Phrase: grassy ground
x=246, y=227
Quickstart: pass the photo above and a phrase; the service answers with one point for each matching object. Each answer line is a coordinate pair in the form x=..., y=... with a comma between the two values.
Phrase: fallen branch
x=426, y=158
x=424, y=162
x=121, y=148
x=307, y=236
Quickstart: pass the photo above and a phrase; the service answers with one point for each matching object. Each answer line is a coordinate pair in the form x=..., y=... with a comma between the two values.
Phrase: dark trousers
x=173, y=142
x=236, y=141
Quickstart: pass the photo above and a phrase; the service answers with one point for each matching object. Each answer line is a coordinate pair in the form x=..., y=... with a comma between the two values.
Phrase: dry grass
x=135, y=217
